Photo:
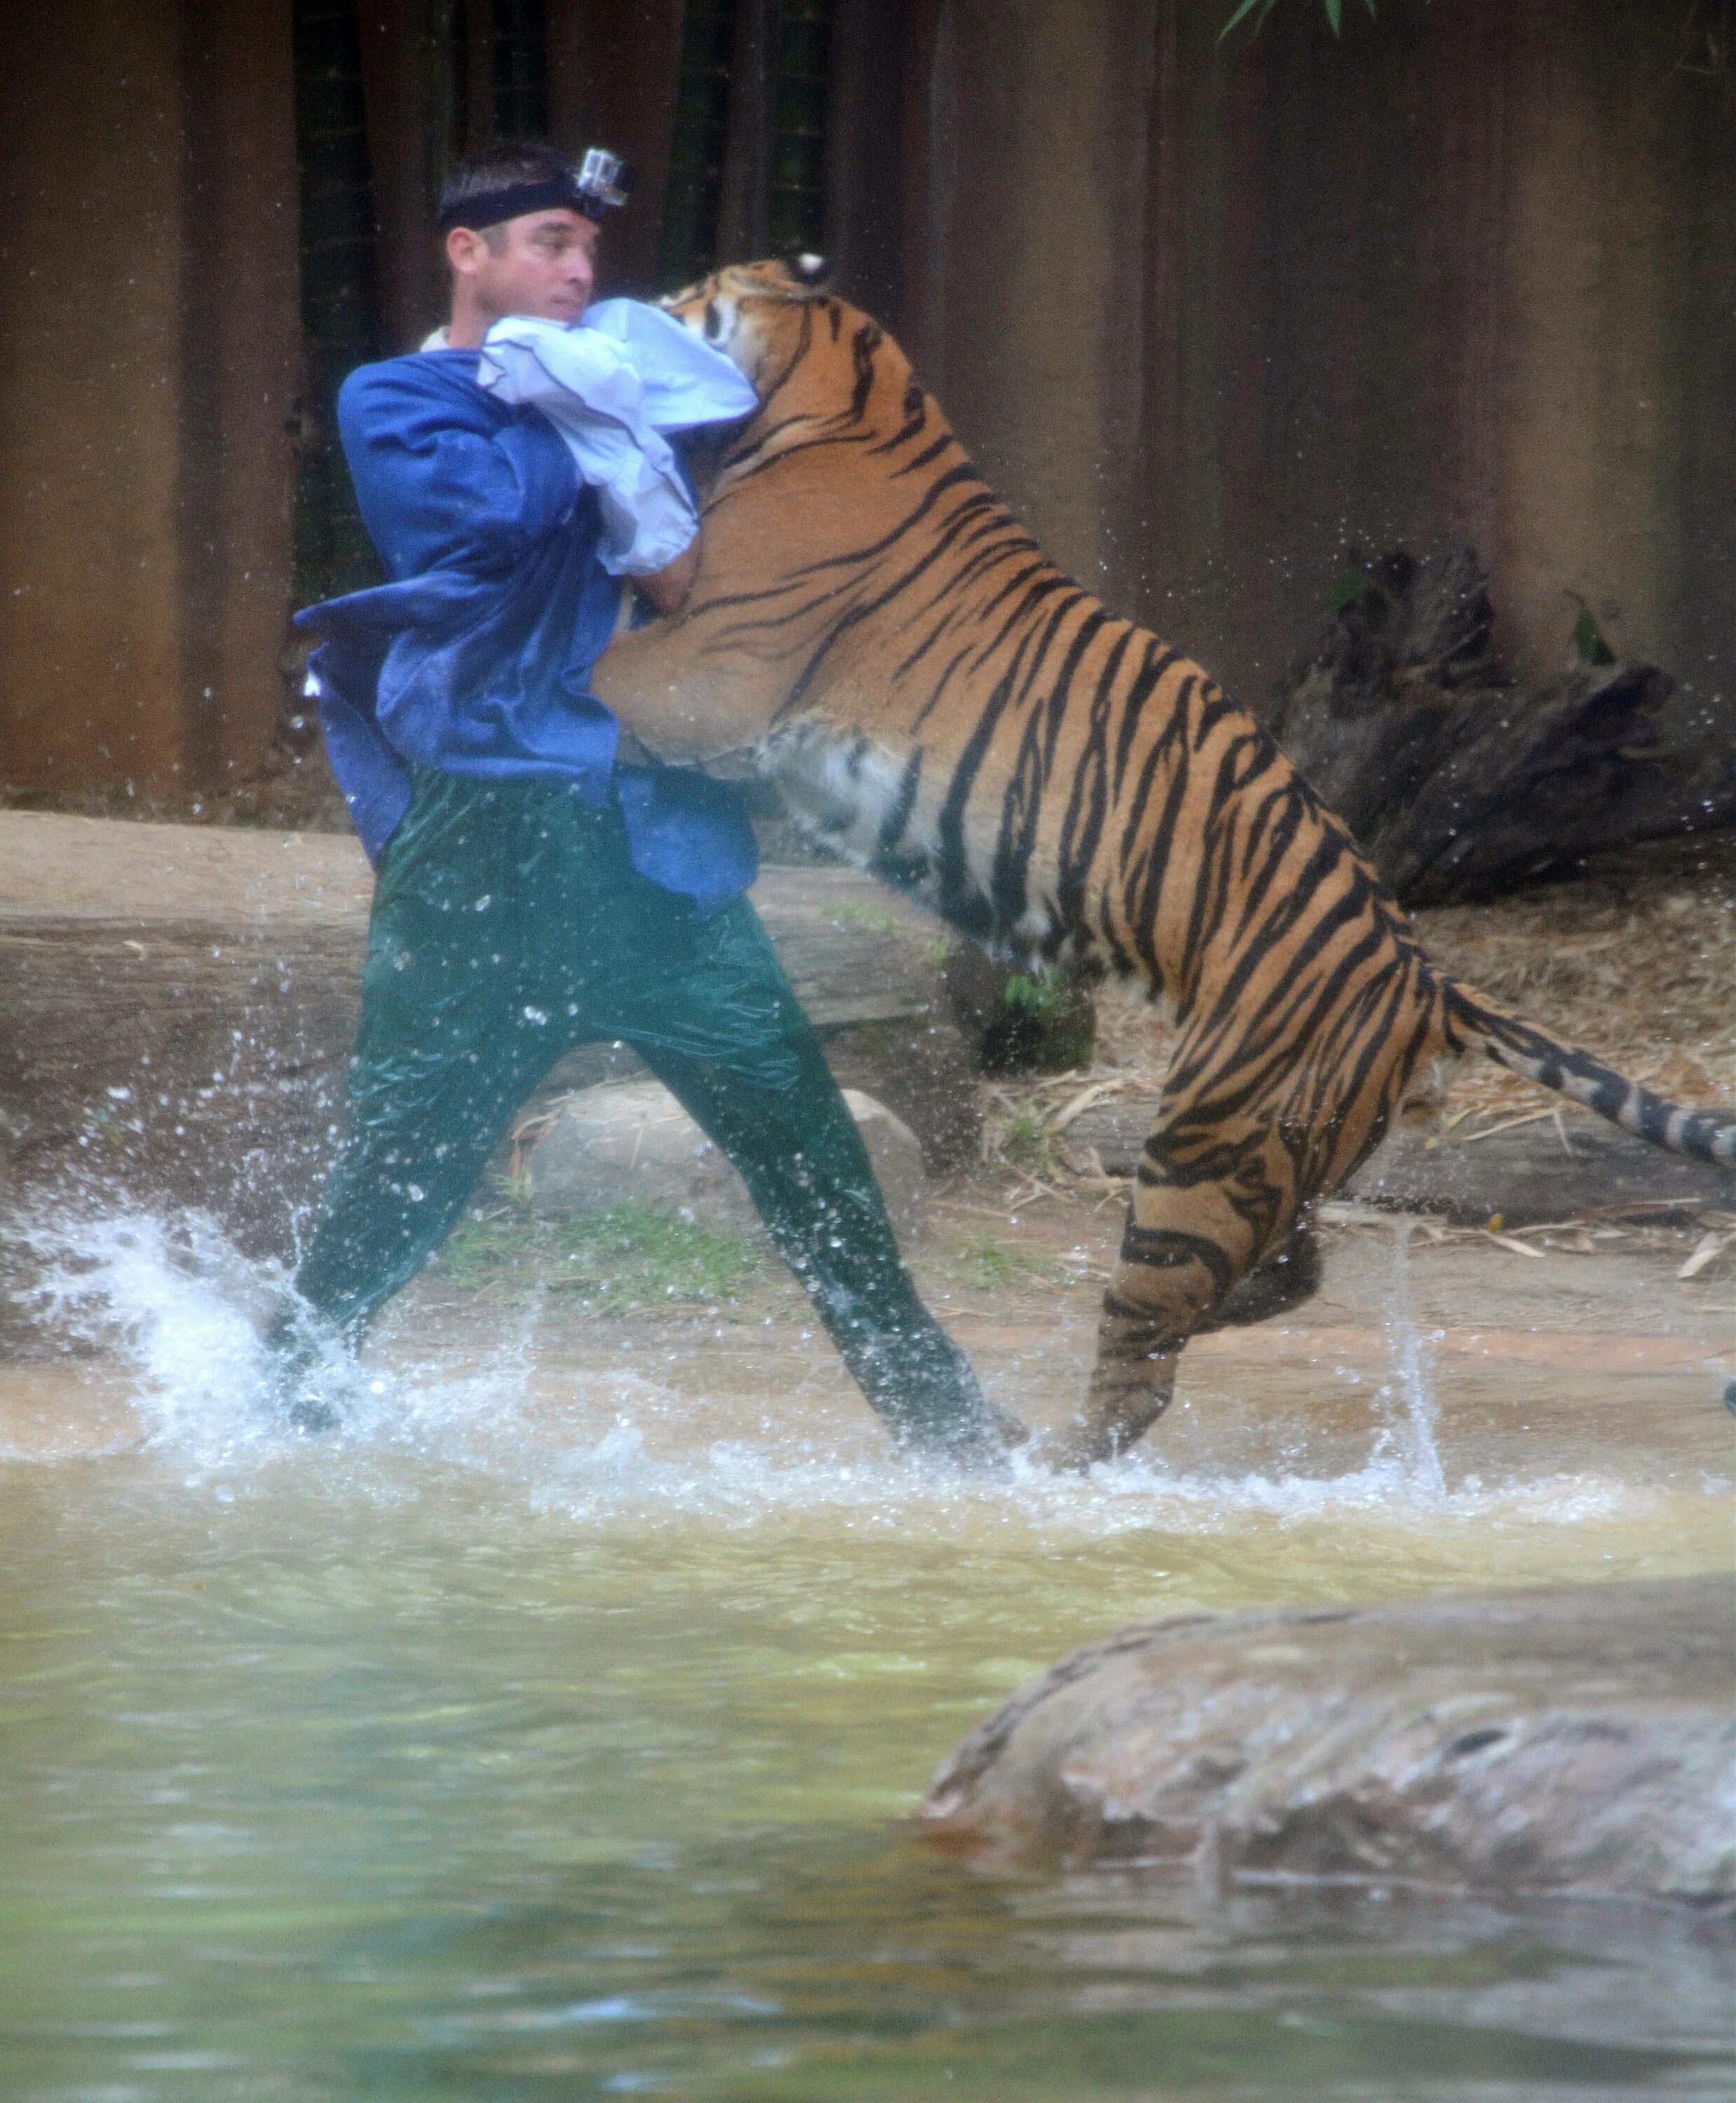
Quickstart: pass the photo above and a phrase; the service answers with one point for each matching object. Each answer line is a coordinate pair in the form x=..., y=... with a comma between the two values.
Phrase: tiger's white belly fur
x=842, y=789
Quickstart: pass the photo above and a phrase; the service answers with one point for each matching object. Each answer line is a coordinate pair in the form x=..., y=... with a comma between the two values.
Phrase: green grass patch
x=873, y=919
x=1036, y=993
x=991, y=1266
x=1026, y=1142
x=630, y=1258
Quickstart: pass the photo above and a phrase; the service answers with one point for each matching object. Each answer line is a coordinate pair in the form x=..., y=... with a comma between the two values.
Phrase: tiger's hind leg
x=1288, y=1277
x=1212, y=1198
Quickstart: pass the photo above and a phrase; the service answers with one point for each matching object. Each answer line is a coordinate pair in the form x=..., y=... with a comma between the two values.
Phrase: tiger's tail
x=1472, y=1019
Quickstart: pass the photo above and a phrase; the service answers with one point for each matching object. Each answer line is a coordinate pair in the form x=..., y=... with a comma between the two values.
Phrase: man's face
x=543, y=263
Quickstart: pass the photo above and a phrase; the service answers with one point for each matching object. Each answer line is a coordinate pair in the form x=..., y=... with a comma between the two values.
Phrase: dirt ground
x=1571, y=1361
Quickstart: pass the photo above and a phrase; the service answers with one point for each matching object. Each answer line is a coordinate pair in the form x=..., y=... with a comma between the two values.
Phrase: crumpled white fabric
x=611, y=386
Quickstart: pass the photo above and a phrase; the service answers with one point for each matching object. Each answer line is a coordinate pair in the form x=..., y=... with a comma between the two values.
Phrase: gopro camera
x=604, y=182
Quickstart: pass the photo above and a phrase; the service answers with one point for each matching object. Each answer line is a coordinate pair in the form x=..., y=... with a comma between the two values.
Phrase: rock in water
x=633, y=1141
x=1579, y=1740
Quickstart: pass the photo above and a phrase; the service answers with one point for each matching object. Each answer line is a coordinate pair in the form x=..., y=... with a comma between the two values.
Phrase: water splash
x=171, y=1295
x=1412, y=1384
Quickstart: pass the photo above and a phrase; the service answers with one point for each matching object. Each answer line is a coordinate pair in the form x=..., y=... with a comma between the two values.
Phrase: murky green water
x=486, y=1754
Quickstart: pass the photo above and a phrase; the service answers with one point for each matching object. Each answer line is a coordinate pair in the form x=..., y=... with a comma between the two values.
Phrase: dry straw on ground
x=1634, y=958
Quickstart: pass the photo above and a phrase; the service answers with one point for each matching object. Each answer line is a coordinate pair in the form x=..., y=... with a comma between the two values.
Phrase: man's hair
x=505, y=167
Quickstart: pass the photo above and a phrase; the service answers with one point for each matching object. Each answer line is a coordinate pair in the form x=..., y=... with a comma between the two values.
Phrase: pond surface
x=553, y=1733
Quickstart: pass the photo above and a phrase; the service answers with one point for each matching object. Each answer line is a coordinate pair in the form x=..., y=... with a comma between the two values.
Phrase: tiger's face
x=751, y=311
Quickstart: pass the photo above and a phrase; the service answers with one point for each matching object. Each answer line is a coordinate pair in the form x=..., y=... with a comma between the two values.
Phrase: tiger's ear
x=808, y=269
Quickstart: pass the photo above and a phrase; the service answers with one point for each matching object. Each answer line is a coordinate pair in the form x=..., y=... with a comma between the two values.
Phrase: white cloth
x=611, y=386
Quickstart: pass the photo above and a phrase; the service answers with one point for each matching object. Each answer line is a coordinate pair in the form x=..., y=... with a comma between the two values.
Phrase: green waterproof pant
x=507, y=926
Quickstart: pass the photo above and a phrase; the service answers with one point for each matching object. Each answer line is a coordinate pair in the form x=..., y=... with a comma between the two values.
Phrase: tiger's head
x=827, y=470
x=764, y=317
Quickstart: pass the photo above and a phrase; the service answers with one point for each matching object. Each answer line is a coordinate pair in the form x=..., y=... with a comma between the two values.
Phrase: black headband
x=489, y=207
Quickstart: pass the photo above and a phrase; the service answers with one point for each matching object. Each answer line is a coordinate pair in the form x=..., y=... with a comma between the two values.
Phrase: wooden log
x=1532, y=1174
x=1457, y=781
x=179, y=1003
x=1529, y=1175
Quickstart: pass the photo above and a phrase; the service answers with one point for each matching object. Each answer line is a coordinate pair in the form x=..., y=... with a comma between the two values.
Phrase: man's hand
x=667, y=587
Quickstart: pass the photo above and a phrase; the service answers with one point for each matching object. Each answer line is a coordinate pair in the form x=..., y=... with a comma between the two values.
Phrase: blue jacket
x=476, y=658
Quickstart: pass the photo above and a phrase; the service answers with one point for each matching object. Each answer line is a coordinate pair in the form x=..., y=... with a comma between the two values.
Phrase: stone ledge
x=181, y=1001
x=632, y=1142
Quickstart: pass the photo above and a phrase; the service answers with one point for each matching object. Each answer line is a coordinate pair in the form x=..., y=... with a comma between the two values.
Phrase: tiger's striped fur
x=942, y=704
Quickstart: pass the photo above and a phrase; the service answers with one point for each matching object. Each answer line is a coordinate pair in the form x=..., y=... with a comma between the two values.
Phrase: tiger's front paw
x=1116, y=1415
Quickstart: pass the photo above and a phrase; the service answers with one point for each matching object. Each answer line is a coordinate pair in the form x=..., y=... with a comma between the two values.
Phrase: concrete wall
x=147, y=272
x=1035, y=206
x=611, y=80
x=150, y=342
x=1209, y=313
x=1206, y=312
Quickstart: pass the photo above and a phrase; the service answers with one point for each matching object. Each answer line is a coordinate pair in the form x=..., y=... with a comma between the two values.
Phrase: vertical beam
x=612, y=82
x=471, y=41
x=875, y=74
x=743, y=226
x=91, y=685
x=796, y=201
x=1288, y=409
x=700, y=143
x=926, y=169
x=144, y=470
x=407, y=81
x=239, y=368
x=1461, y=244
x=1464, y=270
x=521, y=68
x=1032, y=257
x=341, y=314
x=1621, y=336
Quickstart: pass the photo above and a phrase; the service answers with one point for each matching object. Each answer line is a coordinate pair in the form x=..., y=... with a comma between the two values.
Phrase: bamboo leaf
x=1260, y=9
x=1247, y=7
x=1590, y=646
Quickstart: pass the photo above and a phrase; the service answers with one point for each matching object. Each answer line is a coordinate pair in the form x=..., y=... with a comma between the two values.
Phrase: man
x=532, y=893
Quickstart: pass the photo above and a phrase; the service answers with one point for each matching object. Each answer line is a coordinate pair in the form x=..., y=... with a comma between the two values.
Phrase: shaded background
x=1208, y=313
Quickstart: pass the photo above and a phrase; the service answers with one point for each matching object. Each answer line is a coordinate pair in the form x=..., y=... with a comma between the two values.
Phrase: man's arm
x=668, y=587
x=441, y=482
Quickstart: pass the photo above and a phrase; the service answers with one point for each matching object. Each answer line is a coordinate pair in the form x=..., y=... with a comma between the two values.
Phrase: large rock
x=607, y=1146
x=1580, y=1740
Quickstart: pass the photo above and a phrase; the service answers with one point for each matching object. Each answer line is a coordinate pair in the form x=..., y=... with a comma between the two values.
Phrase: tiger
x=941, y=704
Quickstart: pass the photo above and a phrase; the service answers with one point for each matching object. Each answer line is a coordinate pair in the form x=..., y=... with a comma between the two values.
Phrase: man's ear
x=808, y=269
x=464, y=248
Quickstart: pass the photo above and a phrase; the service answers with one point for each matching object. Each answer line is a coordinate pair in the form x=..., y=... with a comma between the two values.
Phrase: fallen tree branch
x=1457, y=781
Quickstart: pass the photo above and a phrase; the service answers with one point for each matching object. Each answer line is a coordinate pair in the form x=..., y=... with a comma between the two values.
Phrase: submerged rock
x=633, y=1142
x=1579, y=1740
